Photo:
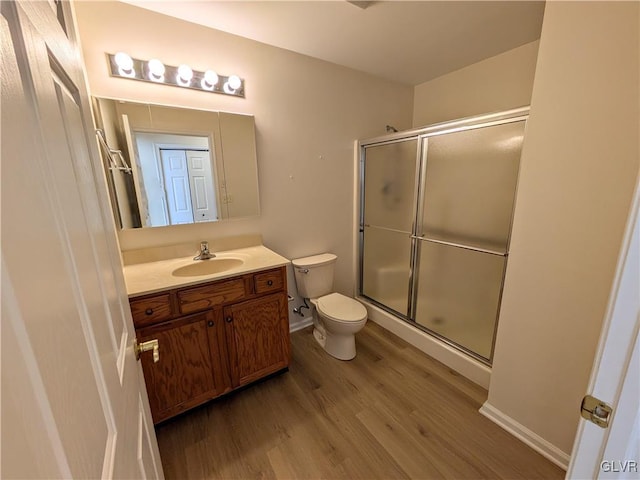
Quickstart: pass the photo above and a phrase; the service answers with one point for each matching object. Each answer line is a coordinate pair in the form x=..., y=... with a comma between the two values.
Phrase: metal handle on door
x=460, y=245
x=153, y=345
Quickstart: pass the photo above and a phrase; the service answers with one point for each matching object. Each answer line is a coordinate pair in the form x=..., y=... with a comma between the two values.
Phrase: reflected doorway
x=176, y=179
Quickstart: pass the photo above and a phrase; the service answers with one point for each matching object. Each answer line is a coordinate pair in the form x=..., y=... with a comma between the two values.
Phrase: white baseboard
x=299, y=323
x=466, y=366
x=535, y=441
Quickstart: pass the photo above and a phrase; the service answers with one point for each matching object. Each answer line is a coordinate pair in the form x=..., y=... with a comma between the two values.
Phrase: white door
x=614, y=452
x=203, y=198
x=72, y=400
x=176, y=185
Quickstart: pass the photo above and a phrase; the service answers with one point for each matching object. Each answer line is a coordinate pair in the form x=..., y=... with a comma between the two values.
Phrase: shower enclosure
x=435, y=219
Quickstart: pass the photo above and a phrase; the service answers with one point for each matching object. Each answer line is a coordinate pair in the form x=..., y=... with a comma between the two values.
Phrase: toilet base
x=342, y=347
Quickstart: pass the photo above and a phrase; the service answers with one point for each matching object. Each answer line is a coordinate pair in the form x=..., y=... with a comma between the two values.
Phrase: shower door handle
x=461, y=245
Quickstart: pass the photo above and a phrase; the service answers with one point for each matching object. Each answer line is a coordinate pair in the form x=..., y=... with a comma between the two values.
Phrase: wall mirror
x=169, y=166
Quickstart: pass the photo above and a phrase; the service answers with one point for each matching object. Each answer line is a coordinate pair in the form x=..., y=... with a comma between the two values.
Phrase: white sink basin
x=207, y=267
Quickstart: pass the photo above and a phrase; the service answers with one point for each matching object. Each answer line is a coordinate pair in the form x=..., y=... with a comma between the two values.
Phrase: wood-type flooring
x=391, y=413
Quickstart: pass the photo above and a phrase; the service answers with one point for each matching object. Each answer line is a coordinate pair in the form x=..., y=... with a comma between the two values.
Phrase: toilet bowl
x=336, y=320
x=336, y=317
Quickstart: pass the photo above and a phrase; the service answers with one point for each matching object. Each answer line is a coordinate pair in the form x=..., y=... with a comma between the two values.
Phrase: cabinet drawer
x=151, y=310
x=268, y=281
x=201, y=298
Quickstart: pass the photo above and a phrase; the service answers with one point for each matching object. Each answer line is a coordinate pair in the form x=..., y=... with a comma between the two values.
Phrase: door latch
x=153, y=345
x=596, y=411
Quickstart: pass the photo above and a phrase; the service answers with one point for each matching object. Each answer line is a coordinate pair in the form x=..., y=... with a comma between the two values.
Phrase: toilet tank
x=314, y=275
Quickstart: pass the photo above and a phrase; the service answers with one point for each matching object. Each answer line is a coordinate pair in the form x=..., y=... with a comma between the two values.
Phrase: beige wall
x=579, y=168
x=308, y=113
x=498, y=83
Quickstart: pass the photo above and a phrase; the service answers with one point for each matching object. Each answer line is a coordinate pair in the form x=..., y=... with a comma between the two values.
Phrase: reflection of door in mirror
x=177, y=179
x=122, y=192
x=220, y=185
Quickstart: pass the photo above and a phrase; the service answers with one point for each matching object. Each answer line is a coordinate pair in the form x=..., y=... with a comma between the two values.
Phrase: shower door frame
x=393, y=138
x=422, y=136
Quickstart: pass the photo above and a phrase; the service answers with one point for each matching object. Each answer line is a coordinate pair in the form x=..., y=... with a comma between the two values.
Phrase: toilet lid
x=341, y=309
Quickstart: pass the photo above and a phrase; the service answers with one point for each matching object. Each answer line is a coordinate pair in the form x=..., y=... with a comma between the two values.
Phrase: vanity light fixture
x=123, y=65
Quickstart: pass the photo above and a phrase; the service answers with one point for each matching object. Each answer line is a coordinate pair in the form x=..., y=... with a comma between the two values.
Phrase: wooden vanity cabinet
x=190, y=370
x=216, y=337
x=255, y=343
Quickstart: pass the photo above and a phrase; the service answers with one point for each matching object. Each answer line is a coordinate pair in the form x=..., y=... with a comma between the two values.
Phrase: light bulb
x=125, y=64
x=235, y=82
x=156, y=70
x=124, y=61
x=209, y=80
x=184, y=76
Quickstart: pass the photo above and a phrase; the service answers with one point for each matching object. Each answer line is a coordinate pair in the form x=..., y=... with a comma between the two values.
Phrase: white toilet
x=336, y=318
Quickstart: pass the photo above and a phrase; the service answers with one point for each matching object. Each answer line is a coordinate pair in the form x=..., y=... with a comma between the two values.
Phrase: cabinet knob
x=229, y=319
x=210, y=323
x=269, y=282
x=149, y=311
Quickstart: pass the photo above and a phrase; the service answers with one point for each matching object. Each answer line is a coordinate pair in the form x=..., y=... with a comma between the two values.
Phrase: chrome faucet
x=204, y=254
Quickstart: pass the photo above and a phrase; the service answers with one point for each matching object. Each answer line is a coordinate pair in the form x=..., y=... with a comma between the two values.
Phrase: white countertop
x=151, y=277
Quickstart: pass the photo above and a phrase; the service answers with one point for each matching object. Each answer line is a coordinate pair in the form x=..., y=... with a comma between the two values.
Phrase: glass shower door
x=463, y=232
x=388, y=215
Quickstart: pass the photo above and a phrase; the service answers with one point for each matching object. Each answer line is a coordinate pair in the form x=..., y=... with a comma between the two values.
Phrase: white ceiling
x=407, y=42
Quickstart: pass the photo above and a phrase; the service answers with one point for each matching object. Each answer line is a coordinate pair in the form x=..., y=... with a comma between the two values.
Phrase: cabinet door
x=257, y=333
x=189, y=371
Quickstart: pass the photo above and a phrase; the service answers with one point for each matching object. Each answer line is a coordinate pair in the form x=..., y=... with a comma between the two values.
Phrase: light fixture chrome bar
x=110, y=152
x=460, y=245
x=154, y=71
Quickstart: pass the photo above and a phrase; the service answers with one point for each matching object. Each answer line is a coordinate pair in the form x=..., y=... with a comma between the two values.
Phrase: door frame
x=617, y=345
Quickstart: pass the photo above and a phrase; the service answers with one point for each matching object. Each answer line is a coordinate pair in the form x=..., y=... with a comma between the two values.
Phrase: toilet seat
x=340, y=308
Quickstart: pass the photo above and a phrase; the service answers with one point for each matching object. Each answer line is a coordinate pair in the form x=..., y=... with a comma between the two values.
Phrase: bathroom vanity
x=219, y=324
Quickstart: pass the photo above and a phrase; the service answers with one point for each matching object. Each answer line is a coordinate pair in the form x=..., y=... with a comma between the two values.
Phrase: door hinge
x=596, y=411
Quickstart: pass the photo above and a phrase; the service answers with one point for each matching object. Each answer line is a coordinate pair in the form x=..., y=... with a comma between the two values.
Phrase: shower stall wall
x=435, y=220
